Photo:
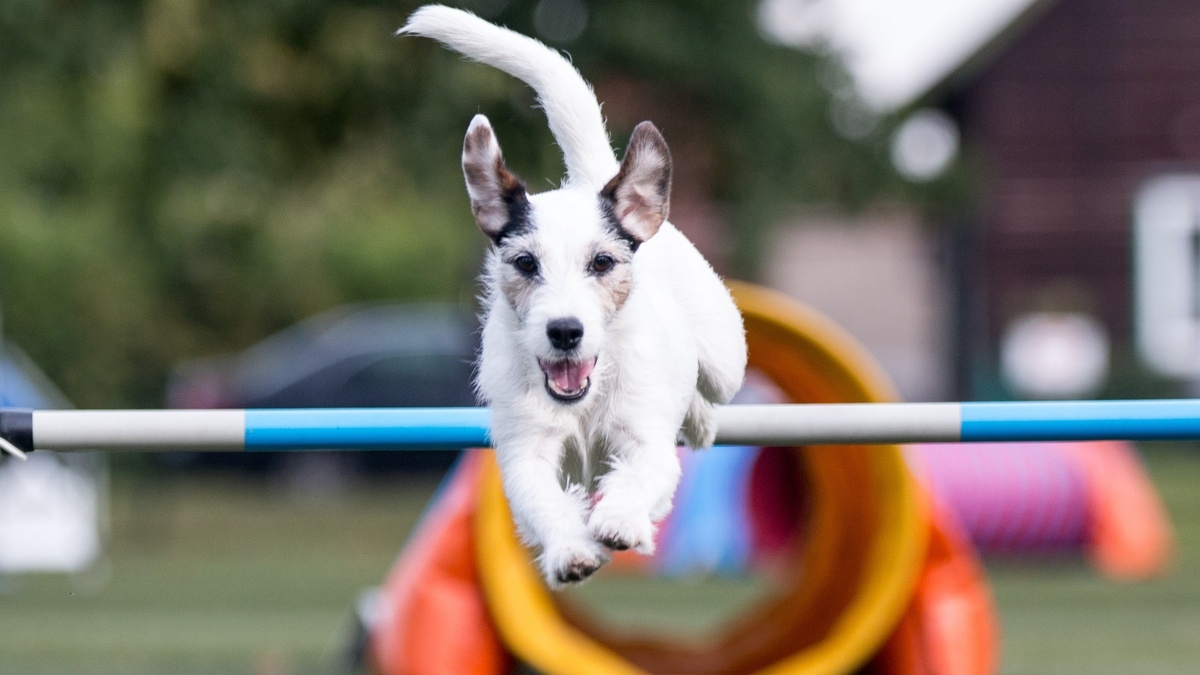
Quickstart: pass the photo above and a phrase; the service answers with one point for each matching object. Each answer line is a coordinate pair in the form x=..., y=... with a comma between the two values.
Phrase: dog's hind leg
x=712, y=317
x=547, y=514
x=700, y=423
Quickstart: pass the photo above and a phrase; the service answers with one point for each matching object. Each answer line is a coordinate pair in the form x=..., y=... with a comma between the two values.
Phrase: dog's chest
x=584, y=465
x=587, y=449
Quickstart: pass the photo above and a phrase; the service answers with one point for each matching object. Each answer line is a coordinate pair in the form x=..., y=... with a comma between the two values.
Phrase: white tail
x=570, y=105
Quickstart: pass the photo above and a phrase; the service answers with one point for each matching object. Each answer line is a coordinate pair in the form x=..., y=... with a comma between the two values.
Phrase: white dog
x=605, y=332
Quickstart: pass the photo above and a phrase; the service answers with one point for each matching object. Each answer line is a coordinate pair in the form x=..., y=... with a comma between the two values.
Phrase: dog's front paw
x=621, y=531
x=572, y=562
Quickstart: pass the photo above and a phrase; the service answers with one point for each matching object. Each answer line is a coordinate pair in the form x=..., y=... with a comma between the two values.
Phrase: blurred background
x=207, y=203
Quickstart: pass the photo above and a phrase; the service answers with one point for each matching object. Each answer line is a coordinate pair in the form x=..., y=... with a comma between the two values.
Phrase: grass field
x=1064, y=619
x=212, y=576
x=233, y=576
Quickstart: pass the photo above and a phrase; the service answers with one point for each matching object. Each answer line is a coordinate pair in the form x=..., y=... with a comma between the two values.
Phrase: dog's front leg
x=636, y=492
x=547, y=515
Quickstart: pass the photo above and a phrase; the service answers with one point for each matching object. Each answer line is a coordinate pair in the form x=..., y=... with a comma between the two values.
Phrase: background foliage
x=183, y=177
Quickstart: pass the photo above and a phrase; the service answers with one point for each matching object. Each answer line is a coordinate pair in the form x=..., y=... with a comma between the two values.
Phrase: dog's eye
x=526, y=264
x=602, y=263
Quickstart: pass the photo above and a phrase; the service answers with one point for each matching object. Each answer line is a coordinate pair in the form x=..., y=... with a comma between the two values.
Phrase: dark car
x=358, y=356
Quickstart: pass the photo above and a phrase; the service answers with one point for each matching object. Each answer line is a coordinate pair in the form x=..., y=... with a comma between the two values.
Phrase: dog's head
x=562, y=259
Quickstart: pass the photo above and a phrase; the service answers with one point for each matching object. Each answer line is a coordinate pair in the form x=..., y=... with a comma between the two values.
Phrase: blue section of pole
x=366, y=428
x=1081, y=420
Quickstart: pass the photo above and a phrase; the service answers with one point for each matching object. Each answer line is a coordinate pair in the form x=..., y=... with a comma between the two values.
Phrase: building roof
x=898, y=51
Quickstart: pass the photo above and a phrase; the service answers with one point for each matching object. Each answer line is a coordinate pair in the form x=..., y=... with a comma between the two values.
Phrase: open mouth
x=568, y=380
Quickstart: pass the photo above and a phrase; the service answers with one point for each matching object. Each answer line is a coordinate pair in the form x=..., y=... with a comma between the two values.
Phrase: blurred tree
x=181, y=177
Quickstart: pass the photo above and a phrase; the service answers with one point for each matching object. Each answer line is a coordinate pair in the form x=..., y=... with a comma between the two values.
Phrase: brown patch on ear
x=640, y=194
x=498, y=198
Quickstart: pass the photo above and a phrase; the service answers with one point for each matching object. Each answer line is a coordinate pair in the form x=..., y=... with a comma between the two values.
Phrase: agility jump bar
x=413, y=428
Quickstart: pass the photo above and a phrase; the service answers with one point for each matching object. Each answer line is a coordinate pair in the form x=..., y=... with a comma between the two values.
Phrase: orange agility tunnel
x=875, y=580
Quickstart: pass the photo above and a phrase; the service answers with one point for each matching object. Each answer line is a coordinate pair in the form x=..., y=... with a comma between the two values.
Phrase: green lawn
x=1064, y=619
x=233, y=576
x=212, y=576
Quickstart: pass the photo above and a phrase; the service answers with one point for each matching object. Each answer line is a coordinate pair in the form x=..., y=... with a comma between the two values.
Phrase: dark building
x=1068, y=114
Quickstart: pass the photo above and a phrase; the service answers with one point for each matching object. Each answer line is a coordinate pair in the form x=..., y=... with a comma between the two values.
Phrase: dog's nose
x=564, y=334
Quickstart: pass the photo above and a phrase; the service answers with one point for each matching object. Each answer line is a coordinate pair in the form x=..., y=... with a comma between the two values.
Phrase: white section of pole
x=806, y=424
x=140, y=430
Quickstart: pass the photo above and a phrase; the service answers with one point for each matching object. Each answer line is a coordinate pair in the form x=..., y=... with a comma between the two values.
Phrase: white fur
x=672, y=350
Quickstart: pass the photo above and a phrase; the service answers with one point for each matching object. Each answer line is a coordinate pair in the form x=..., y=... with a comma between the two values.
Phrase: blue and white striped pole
x=400, y=428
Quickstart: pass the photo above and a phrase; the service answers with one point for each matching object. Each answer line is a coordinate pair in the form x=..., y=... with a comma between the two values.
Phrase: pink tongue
x=569, y=376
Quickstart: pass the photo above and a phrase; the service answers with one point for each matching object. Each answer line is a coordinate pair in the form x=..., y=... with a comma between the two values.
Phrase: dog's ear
x=498, y=198
x=640, y=193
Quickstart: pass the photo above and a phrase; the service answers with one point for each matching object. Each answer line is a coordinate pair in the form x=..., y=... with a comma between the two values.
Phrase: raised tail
x=570, y=105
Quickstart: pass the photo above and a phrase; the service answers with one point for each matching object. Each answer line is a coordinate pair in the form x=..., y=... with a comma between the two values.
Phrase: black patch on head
x=608, y=211
x=517, y=203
